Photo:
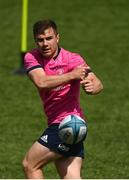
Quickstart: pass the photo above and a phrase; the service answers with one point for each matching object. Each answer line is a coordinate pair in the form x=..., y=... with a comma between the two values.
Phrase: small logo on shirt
x=63, y=147
x=45, y=138
x=59, y=88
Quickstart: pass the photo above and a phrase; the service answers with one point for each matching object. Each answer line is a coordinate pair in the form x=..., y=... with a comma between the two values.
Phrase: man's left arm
x=92, y=84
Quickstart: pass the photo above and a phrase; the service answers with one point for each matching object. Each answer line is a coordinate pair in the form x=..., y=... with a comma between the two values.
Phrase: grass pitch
x=98, y=30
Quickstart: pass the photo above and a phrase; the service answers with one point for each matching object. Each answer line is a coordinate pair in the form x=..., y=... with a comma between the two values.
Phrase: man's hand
x=88, y=86
x=79, y=72
x=91, y=84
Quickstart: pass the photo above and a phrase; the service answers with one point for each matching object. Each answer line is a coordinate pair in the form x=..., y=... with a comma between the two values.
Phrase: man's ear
x=58, y=38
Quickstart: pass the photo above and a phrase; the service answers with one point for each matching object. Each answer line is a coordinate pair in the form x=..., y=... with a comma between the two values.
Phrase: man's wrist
x=71, y=75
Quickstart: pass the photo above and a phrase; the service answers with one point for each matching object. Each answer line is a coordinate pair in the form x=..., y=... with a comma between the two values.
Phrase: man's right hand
x=79, y=72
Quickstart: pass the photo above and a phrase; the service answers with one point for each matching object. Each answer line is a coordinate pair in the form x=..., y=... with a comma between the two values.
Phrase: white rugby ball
x=72, y=129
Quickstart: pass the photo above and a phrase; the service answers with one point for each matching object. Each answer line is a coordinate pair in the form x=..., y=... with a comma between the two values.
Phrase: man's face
x=47, y=43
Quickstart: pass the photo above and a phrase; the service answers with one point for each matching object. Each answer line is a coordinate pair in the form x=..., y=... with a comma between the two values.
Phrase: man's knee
x=26, y=165
x=31, y=172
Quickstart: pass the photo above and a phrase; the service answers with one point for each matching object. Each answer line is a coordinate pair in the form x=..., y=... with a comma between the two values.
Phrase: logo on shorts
x=45, y=138
x=63, y=147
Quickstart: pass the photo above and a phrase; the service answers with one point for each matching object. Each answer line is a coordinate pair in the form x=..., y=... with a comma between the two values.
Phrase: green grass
x=98, y=30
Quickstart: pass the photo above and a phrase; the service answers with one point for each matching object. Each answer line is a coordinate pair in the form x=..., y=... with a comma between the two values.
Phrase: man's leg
x=69, y=167
x=36, y=158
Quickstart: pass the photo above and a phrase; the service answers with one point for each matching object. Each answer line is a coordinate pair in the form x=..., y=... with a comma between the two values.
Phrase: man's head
x=46, y=37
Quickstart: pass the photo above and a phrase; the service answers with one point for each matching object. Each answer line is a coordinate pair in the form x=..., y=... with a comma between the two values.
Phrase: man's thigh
x=69, y=167
x=39, y=155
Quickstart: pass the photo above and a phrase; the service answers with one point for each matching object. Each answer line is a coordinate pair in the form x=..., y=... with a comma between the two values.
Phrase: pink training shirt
x=64, y=99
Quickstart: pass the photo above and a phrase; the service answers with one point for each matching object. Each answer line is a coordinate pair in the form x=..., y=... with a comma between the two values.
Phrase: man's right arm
x=43, y=81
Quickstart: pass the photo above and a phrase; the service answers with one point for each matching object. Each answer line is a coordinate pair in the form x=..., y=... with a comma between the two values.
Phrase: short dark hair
x=40, y=26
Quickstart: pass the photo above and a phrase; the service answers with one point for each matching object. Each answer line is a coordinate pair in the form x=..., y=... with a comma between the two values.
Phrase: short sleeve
x=76, y=60
x=31, y=61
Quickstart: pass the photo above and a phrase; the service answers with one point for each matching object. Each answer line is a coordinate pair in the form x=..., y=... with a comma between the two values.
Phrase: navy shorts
x=51, y=140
